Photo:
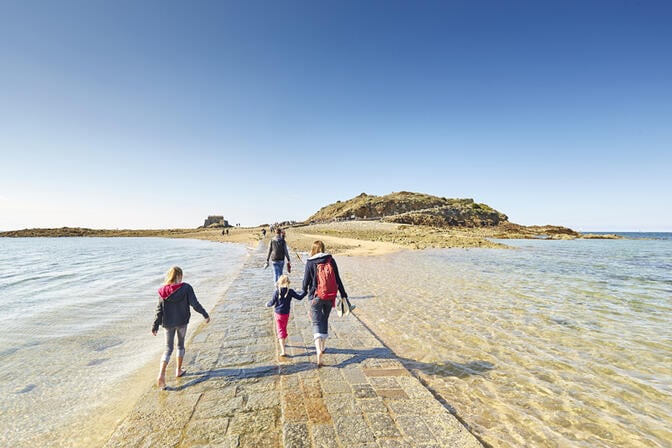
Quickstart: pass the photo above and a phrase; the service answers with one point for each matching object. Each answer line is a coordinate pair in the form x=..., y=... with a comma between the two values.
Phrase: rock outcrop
x=440, y=213
x=413, y=208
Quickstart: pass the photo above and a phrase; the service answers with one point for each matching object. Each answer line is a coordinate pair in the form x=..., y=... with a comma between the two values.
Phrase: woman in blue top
x=322, y=286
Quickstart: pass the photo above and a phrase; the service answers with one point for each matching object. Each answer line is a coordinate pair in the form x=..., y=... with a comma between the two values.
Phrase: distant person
x=173, y=313
x=281, y=300
x=263, y=232
x=322, y=283
x=277, y=252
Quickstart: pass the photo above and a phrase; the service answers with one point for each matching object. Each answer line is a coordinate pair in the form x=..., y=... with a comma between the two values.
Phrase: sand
x=350, y=238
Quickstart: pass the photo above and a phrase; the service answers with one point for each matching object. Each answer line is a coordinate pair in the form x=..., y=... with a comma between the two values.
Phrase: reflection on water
x=553, y=344
x=76, y=319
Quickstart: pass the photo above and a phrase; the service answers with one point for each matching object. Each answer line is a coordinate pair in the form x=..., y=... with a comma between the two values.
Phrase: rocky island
x=366, y=224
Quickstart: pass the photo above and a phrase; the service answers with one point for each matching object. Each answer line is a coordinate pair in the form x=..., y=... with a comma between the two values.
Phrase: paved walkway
x=238, y=393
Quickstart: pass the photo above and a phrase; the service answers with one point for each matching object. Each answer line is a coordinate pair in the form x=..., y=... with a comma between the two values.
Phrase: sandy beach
x=356, y=238
x=350, y=238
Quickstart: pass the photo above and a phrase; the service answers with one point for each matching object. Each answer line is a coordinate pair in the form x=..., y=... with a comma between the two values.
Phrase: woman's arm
x=341, y=288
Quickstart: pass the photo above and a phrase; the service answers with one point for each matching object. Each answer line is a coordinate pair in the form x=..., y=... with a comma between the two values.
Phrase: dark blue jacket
x=283, y=298
x=310, y=274
x=173, y=311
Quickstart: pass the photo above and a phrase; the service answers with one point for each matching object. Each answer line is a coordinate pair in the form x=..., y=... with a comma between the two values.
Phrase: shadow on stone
x=242, y=374
x=448, y=368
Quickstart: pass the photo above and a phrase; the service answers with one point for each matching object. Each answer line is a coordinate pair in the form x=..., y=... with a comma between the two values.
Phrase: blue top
x=173, y=311
x=282, y=299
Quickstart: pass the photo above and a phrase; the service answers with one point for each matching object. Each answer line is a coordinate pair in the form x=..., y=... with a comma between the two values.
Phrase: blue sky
x=125, y=114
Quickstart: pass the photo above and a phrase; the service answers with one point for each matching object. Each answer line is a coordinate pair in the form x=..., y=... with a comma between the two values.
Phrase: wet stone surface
x=238, y=391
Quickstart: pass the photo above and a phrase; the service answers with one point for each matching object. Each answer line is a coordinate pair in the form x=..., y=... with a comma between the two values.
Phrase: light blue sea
x=76, y=348
x=547, y=344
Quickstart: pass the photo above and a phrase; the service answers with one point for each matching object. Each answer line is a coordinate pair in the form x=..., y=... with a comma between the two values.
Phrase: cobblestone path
x=239, y=393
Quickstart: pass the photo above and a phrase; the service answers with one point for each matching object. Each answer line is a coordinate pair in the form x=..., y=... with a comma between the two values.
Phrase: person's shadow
x=445, y=369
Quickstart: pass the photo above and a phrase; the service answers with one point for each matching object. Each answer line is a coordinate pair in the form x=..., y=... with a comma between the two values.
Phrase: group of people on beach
x=321, y=283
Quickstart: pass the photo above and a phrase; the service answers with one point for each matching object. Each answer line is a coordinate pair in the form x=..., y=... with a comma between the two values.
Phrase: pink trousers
x=281, y=324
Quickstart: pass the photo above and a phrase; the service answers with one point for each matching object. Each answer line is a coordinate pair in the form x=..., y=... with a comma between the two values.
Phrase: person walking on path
x=173, y=313
x=281, y=300
x=322, y=283
x=277, y=252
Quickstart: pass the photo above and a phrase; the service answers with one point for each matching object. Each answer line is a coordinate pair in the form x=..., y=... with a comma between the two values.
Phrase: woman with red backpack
x=322, y=282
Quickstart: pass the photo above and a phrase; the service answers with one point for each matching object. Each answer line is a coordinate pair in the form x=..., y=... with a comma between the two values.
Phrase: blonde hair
x=283, y=281
x=318, y=246
x=174, y=275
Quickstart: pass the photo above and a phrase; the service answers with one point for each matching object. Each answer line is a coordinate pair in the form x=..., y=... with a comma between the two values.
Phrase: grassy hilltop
x=425, y=210
x=412, y=208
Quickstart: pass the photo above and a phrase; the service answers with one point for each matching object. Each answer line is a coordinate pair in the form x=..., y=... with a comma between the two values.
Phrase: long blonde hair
x=174, y=275
x=318, y=246
x=283, y=281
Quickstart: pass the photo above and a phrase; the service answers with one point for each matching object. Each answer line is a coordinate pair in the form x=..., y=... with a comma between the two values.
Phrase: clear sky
x=156, y=114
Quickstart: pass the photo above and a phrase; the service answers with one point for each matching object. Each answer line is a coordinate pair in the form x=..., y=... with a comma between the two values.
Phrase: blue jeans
x=278, y=266
x=319, y=315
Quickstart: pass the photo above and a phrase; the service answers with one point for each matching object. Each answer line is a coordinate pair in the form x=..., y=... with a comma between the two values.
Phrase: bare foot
x=180, y=373
x=161, y=383
x=283, y=354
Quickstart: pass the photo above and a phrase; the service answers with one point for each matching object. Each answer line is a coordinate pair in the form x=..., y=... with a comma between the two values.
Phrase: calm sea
x=551, y=344
x=76, y=349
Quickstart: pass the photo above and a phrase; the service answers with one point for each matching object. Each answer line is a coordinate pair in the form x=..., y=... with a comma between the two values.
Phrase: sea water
x=547, y=344
x=76, y=349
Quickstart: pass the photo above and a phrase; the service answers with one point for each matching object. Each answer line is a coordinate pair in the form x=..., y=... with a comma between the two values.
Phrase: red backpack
x=327, y=288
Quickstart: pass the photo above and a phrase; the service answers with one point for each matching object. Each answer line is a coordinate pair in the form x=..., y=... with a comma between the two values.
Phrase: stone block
x=342, y=404
x=352, y=430
x=324, y=436
x=317, y=411
x=295, y=435
x=382, y=425
x=363, y=391
x=415, y=429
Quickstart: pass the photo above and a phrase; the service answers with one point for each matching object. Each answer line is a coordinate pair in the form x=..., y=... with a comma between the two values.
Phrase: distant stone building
x=216, y=221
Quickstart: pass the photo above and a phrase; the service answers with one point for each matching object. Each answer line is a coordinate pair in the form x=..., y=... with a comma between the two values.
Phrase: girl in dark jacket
x=281, y=300
x=173, y=313
x=320, y=307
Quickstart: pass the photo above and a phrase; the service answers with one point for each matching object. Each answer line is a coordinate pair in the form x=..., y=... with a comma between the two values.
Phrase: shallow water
x=553, y=344
x=76, y=350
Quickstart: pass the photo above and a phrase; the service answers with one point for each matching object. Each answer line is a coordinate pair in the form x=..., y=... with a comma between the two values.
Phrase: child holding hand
x=282, y=298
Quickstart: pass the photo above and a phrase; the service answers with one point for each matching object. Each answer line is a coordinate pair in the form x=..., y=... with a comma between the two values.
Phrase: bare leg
x=282, y=347
x=178, y=368
x=318, y=350
x=161, y=380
